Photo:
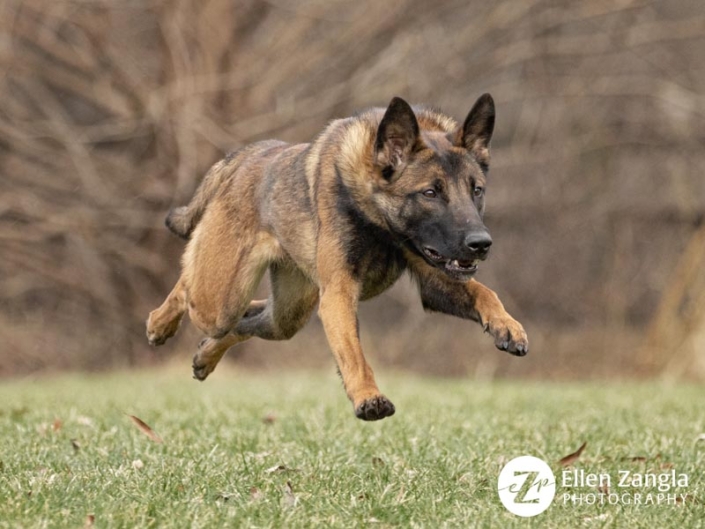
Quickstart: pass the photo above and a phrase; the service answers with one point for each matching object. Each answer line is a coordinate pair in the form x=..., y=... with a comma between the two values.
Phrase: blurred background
x=111, y=112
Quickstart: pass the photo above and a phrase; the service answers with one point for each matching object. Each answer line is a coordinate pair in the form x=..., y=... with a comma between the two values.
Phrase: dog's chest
x=375, y=260
x=381, y=275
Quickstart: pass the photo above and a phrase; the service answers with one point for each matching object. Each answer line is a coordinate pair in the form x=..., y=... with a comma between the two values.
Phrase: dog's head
x=432, y=184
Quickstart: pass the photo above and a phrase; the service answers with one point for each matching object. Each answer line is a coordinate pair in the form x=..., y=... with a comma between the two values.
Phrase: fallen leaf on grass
x=76, y=445
x=279, y=468
x=572, y=458
x=642, y=459
x=686, y=498
x=255, y=494
x=700, y=437
x=56, y=425
x=145, y=429
x=137, y=464
x=289, y=499
x=377, y=461
x=90, y=520
x=635, y=459
x=269, y=418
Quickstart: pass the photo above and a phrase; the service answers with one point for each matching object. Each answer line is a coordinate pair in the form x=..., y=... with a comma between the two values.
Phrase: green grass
x=434, y=464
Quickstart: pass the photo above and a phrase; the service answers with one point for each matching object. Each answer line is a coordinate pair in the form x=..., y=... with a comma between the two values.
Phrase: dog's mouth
x=450, y=265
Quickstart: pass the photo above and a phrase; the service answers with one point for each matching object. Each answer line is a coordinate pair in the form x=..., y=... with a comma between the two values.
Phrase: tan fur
x=328, y=220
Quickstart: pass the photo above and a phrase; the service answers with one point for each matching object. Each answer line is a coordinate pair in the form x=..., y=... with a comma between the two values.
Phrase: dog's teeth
x=455, y=262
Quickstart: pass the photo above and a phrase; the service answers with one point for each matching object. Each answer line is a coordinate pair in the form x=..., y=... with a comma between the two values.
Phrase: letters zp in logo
x=526, y=486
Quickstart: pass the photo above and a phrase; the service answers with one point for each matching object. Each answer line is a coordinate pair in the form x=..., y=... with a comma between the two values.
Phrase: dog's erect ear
x=397, y=136
x=477, y=130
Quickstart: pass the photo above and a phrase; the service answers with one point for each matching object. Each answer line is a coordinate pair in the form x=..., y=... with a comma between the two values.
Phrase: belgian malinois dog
x=337, y=221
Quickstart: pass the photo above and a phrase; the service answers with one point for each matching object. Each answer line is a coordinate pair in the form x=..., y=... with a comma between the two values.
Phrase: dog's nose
x=479, y=242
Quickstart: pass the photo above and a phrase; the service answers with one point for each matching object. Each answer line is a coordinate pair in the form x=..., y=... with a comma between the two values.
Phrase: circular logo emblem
x=526, y=486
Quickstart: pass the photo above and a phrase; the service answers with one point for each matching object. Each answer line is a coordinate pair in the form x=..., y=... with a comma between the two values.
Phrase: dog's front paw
x=509, y=335
x=158, y=332
x=374, y=408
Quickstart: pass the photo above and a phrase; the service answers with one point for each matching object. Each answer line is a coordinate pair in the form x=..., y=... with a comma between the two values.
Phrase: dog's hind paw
x=201, y=370
x=375, y=408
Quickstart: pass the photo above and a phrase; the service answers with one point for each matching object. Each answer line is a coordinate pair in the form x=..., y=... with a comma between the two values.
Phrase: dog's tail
x=183, y=220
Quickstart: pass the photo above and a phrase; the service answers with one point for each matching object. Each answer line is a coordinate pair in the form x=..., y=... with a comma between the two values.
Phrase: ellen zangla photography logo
x=526, y=486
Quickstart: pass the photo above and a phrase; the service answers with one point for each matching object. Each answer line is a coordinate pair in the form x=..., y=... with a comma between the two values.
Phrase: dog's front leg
x=338, y=312
x=473, y=301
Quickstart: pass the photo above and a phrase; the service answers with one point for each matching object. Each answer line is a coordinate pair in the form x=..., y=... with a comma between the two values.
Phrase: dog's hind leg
x=255, y=307
x=211, y=350
x=163, y=322
x=288, y=308
x=220, y=297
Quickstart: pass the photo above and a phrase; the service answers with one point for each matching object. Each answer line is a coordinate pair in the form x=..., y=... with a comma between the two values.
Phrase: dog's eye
x=478, y=191
x=430, y=193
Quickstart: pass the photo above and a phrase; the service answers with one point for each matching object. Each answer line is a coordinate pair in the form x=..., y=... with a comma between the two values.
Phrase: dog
x=337, y=221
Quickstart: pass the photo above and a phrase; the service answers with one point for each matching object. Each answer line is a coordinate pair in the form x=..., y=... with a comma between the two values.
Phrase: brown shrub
x=111, y=112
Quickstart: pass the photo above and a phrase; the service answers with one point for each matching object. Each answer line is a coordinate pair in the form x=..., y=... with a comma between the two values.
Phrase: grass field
x=257, y=450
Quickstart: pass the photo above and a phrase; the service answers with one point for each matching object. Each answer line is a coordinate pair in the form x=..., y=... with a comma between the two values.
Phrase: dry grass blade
x=145, y=429
x=223, y=496
x=599, y=518
x=572, y=458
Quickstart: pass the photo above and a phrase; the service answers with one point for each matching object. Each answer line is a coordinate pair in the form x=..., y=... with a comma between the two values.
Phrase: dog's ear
x=397, y=137
x=477, y=130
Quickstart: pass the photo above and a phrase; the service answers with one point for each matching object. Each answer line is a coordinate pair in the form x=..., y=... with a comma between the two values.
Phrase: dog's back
x=351, y=141
x=183, y=220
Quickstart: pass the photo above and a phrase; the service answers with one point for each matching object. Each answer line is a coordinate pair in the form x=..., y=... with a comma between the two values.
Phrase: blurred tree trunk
x=675, y=343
